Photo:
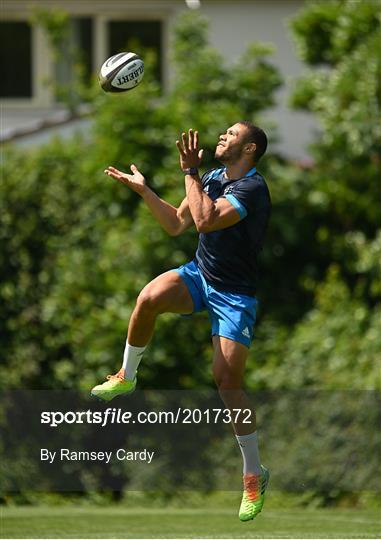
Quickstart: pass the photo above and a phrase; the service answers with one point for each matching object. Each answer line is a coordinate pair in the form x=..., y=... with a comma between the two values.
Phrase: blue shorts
x=232, y=315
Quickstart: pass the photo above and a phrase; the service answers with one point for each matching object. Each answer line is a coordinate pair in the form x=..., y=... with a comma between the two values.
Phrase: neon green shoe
x=114, y=386
x=254, y=494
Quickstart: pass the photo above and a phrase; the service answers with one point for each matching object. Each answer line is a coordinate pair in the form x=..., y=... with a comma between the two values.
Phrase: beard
x=228, y=155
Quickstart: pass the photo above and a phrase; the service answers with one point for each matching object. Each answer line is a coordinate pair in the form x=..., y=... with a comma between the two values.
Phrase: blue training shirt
x=227, y=258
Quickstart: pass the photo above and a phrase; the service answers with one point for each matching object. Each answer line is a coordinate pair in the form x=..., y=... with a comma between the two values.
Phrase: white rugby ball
x=121, y=72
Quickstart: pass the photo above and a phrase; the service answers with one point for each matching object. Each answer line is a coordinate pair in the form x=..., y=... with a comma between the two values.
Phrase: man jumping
x=230, y=208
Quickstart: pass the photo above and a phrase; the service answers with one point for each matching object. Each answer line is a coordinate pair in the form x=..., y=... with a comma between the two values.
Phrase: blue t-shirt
x=227, y=258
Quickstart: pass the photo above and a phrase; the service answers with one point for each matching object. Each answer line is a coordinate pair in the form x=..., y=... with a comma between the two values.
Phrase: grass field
x=122, y=522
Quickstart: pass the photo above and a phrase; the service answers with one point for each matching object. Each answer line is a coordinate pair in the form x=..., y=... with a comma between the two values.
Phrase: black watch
x=191, y=170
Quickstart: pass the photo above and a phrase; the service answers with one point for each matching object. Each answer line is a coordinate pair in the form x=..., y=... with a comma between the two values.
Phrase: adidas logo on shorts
x=246, y=332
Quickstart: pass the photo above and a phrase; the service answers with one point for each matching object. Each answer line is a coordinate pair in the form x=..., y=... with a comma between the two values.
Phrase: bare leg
x=228, y=369
x=165, y=294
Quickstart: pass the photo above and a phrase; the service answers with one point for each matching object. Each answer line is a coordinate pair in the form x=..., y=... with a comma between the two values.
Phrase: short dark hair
x=256, y=135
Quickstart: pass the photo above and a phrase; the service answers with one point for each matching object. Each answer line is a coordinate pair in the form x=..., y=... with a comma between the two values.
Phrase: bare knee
x=228, y=380
x=230, y=390
x=149, y=301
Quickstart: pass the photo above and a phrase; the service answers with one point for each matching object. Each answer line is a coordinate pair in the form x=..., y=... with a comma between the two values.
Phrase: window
x=77, y=46
x=84, y=39
x=15, y=59
x=133, y=35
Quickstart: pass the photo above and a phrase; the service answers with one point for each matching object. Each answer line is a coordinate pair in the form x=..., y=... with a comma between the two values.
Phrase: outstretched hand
x=135, y=181
x=190, y=155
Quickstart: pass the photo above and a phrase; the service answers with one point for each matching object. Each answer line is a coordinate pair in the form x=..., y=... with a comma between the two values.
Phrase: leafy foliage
x=85, y=246
x=77, y=247
x=69, y=266
x=337, y=218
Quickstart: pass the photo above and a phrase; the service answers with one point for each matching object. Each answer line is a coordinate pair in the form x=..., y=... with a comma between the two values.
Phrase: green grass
x=122, y=522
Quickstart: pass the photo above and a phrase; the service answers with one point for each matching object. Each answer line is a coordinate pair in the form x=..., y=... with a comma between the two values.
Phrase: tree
x=333, y=237
x=79, y=247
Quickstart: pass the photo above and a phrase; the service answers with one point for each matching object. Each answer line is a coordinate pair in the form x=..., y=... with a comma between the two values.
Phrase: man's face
x=231, y=144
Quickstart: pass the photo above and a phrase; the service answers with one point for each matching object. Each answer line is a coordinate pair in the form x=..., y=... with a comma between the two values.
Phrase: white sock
x=131, y=360
x=250, y=453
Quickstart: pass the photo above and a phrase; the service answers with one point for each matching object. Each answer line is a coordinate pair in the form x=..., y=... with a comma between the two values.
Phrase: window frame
x=42, y=61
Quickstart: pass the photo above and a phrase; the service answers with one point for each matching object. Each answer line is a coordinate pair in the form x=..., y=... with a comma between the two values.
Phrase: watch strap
x=191, y=170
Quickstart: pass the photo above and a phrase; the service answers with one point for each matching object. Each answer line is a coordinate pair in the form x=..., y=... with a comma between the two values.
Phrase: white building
x=100, y=27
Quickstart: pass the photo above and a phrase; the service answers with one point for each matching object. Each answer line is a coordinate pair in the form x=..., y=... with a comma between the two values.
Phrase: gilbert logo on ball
x=121, y=72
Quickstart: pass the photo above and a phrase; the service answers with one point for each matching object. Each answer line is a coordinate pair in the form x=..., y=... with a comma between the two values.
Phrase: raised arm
x=208, y=215
x=173, y=220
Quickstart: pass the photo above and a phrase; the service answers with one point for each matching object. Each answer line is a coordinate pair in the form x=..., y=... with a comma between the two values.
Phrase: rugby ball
x=121, y=72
